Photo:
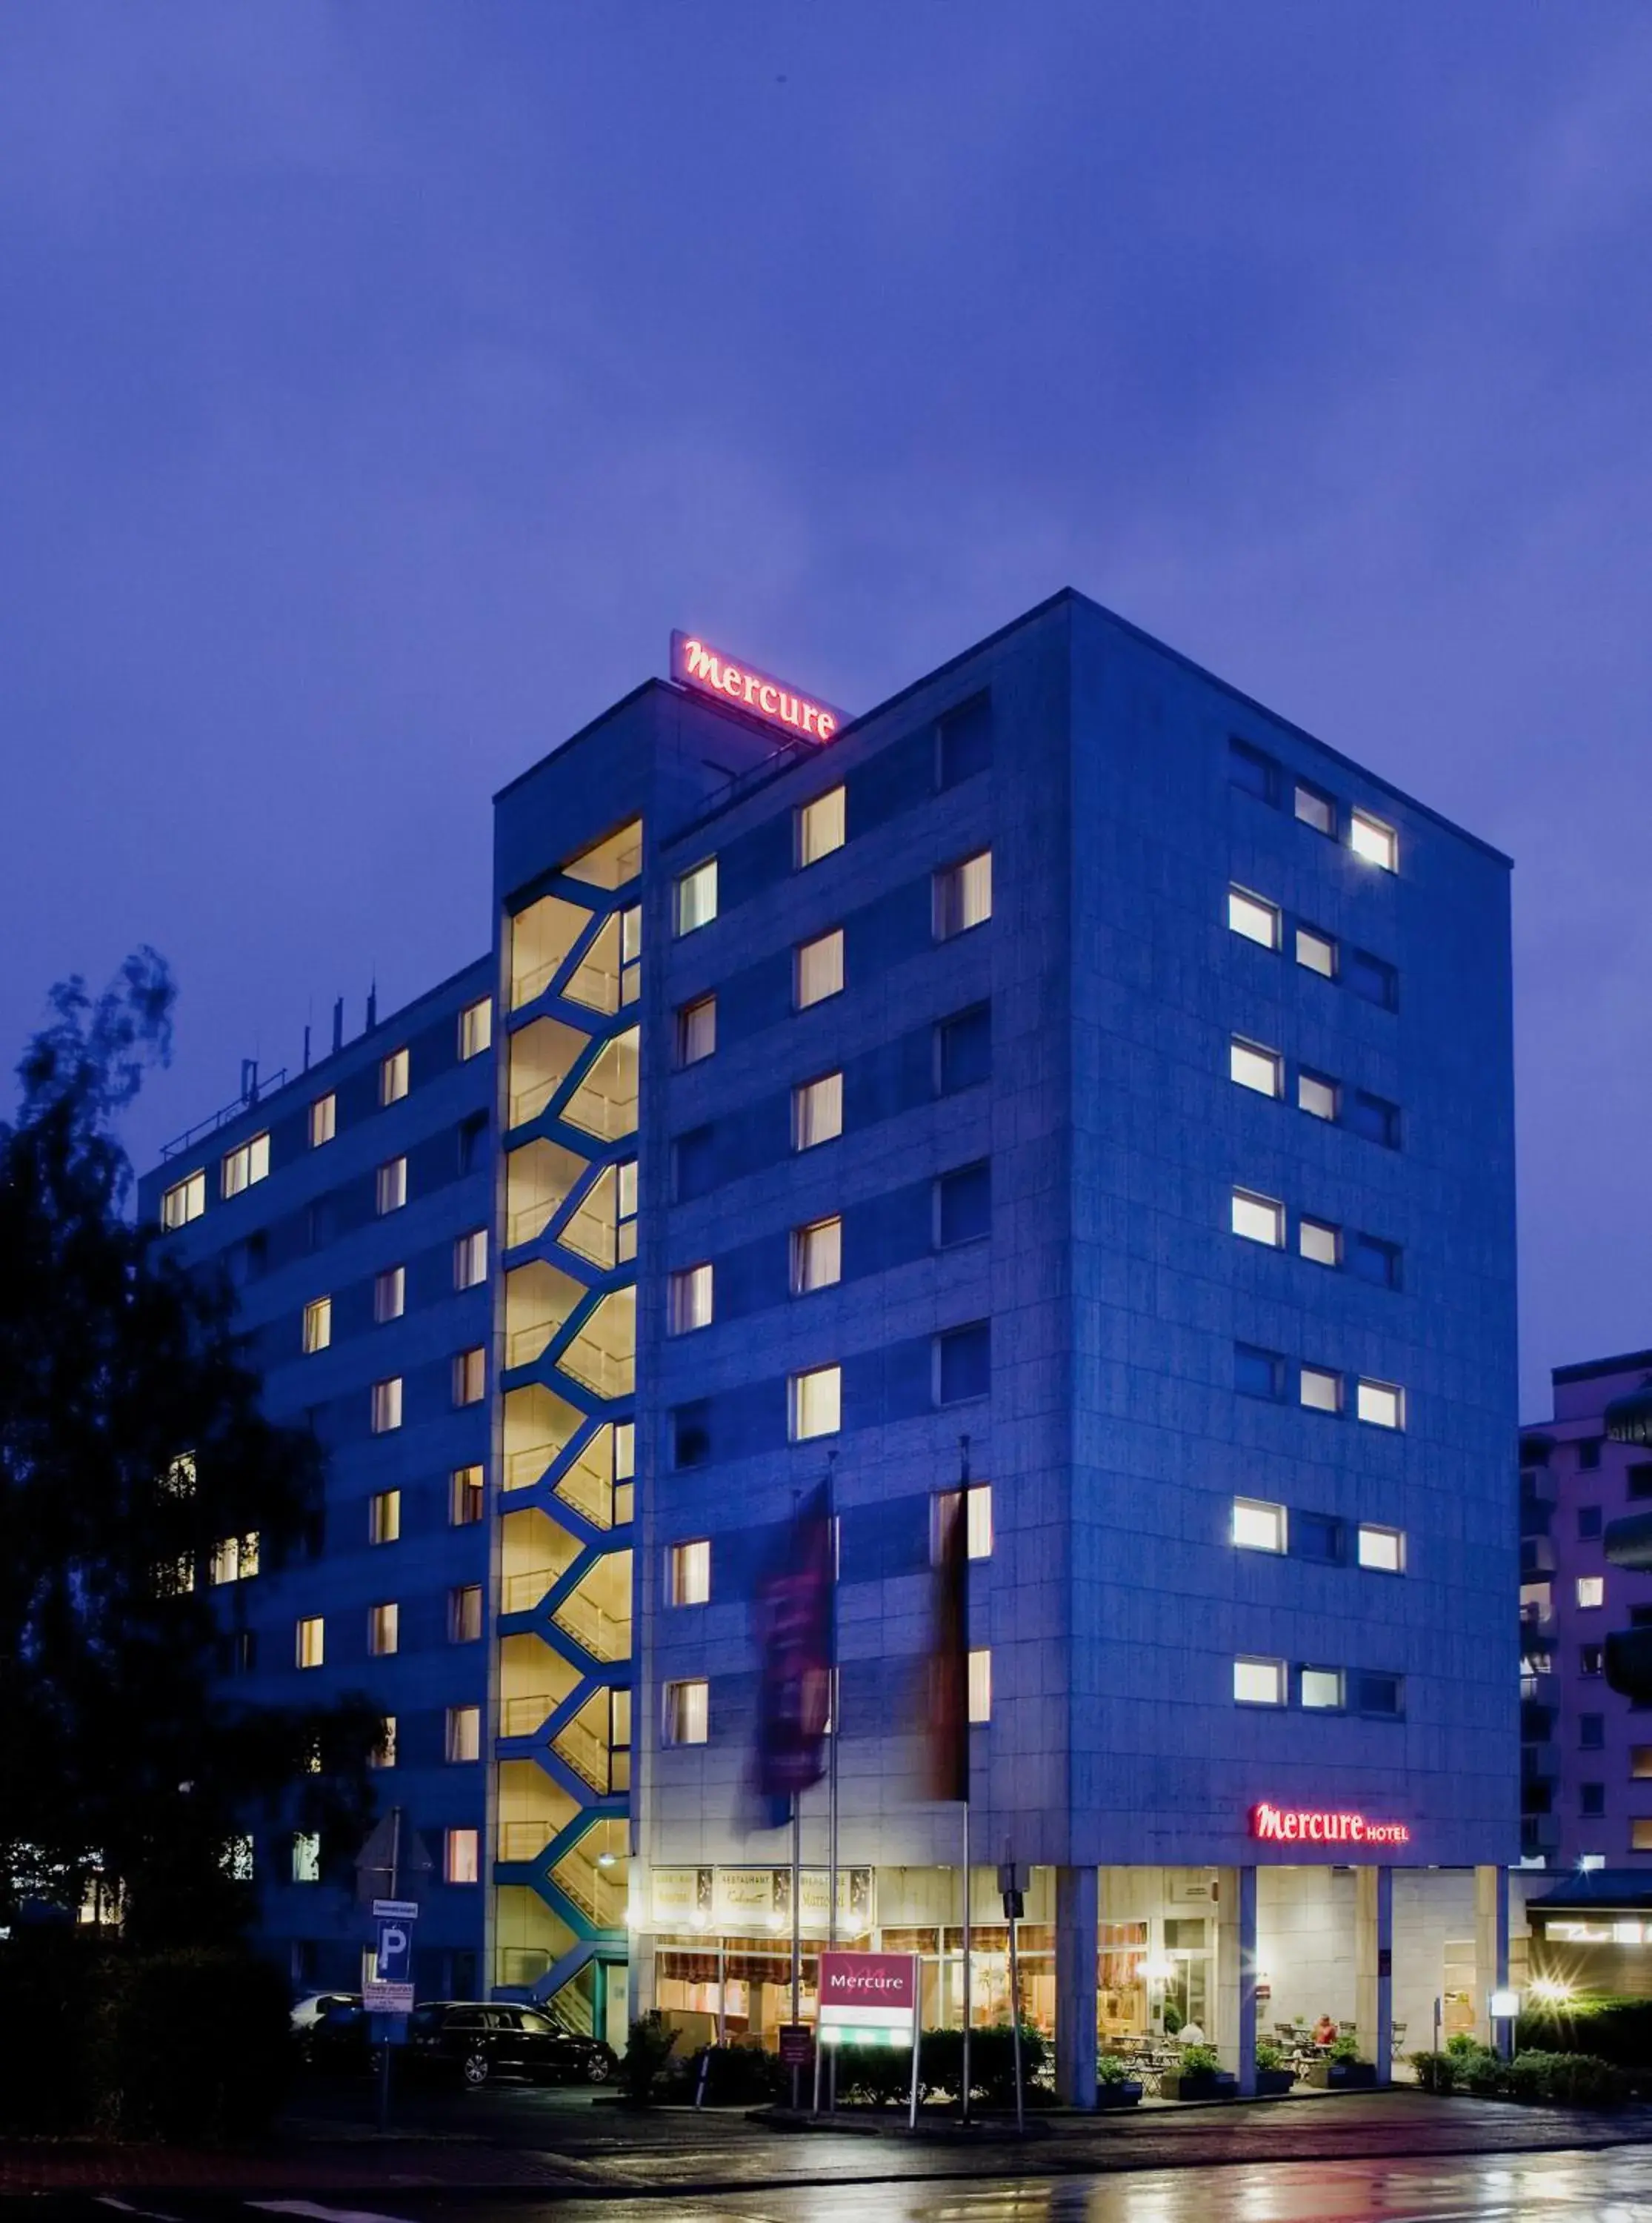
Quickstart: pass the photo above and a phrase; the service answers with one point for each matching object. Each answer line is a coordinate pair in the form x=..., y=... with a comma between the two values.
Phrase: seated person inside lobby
x=1324, y=2032
x=1190, y=2034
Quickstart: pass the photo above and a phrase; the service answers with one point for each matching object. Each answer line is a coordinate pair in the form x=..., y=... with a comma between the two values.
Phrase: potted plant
x=1272, y=2075
x=1200, y=2076
x=1115, y=2086
x=1343, y=2070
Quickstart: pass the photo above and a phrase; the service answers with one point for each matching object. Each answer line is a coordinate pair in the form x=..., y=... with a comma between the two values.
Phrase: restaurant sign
x=696, y=663
x=1317, y=1826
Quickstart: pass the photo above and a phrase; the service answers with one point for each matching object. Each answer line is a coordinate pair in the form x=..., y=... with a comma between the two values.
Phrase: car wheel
x=598, y=2068
x=474, y=2070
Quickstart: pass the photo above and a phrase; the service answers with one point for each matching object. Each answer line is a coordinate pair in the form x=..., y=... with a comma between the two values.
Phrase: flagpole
x=963, y=1516
x=832, y=1791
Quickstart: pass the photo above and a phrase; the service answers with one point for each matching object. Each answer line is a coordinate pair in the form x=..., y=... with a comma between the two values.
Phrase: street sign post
x=391, y=1990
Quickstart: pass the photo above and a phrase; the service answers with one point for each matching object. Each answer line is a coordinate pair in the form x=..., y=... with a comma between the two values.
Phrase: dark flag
x=949, y=1655
x=793, y=1621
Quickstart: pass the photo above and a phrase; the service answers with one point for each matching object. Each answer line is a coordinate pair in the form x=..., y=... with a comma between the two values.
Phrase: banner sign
x=792, y=1622
x=697, y=664
x=747, y=1899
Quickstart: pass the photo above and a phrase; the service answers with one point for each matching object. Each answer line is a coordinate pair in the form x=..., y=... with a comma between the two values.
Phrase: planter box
x=1202, y=2084
x=1118, y=2096
x=1271, y=2081
x=1343, y=2076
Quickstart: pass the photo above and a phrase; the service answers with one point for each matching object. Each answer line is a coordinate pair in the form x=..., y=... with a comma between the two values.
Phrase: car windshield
x=538, y=2024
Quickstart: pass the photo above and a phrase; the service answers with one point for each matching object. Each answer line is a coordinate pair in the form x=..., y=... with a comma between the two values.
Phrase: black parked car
x=477, y=2041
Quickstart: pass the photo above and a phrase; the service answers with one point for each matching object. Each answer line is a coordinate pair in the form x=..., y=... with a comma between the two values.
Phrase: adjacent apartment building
x=1068, y=1080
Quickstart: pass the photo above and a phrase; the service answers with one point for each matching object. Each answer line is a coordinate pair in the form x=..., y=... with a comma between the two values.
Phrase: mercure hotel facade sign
x=696, y=663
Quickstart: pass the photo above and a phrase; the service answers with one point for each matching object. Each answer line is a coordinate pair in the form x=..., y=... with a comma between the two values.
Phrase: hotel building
x=1068, y=1066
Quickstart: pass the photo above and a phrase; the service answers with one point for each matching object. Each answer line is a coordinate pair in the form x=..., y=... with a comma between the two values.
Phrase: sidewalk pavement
x=671, y=2152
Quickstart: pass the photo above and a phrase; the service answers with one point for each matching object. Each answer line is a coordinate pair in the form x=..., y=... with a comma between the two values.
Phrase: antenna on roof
x=249, y=1080
x=372, y=1007
x=338, y=1023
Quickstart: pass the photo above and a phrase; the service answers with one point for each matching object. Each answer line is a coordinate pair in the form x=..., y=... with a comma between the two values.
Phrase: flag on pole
x=792, y=1622
x=948, y=1721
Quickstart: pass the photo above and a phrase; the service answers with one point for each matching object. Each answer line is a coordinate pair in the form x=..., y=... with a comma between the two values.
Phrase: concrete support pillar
x=1075, y=1987
x=1490, y=1944
x=1373, y=1966
x=1234, y=2022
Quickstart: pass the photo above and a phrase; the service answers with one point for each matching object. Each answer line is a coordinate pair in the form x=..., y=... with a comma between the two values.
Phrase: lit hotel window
x=184, y=1201
x=1322, y=1687
x=1256, y=919
x=1259, y=1682
x=466, y=1494
x=978, y=1507
x=1592, y=1590
x=311, y=1645
x=317, y=1324
x=235, y=1559
x=384, y=1517
x=389, y=1294
x=384, y=1630
x=980, y=1687
x=470, y=1259
x=1318, y=1240
x=697, y=1030
x=696, y=898
x=1321, y=1390
x=817, y=1112
x=392, y=1077
x=1315, y=808
x=1382, y=1405
x=685, y=1714
x=689, y=1300
x=1376, y=843
x=390, y=1188
x=1252, y=1067
x=819, y=971
x=324, y=1120
x=1317, y=951
x=689, y=1573
x=306, y=1856
x=817, y=1256
x=464, y=1740
x=1316, y=1095
x=465, y=1614
x=469, y=1376
x=962, y=895
x=1260, y=1526
x=383, y=1754
x=821, y=827
x=1382, y=1548
x=1258, y=1218
x=476, y=1027
x=387, y=1405
x=815, y=1403
x=248, y=1163
x=462, y=1860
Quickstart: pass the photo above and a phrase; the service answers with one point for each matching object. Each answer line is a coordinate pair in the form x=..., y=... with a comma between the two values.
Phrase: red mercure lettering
x=1317, y=1826
x=768, y=697
x=828, y=725
x=730, y=679
x=702, y=666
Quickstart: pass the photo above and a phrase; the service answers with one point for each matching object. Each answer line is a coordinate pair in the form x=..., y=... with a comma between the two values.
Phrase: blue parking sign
x=395, y=1951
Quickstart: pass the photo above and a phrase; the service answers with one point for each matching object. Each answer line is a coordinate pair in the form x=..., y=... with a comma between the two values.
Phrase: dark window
x=964, y=1049
x=1589, y=1656
x=963, y=742
x=1250, y=769
x=1373, y=978
x=1591, y=1797
x=691, y=1433
x=1592, y=1731
x=1315, y=808
x=1640, y=1480
x=1381, y=1694
x=1640, y=1616
x=1588, y=1520
x=964, y=1204
x=964, y=1362
x=1375, y=1117
x=320, y=1224
x=1316, y=1536
x=1374, y=1260
x=691, y=1163
x=472, y=1130
x=250, y=1260
x=1257, y=1373
x=1589, y=1453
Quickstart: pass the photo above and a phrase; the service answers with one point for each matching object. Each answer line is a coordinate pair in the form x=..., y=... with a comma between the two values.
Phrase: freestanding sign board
x=871, y=1999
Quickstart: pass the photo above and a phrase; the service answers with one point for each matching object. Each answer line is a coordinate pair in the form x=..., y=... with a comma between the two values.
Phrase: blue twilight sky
x=381, y=381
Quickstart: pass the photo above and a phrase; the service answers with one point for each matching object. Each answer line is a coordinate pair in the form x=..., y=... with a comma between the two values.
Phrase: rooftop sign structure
x=697, y=664
x=1314, y=1827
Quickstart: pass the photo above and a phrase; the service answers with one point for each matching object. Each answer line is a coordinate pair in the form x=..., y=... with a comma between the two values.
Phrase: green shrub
x=1463, y=2045
x=1606, y=2027
x=53, y=1975
x=1268, y=2055
x=649, y=2043
x=1574, y=2079
x=1436, y=2072
x=1197, y=2060
x=874, y=2076
x=1345, y=2048
x=738, y=2076
x=198, y=2044
x=1482, y=2072
x=1110, y=2069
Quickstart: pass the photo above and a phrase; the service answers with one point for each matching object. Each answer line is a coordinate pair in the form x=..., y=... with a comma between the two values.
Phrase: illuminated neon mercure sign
x=696, y=663
x=1315, y=1826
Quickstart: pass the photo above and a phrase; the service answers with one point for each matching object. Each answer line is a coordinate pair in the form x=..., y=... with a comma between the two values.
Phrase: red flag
x=794, y=1620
